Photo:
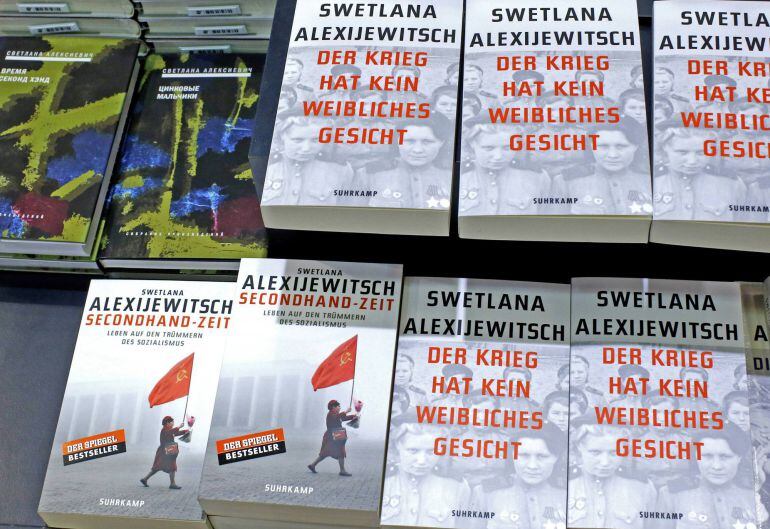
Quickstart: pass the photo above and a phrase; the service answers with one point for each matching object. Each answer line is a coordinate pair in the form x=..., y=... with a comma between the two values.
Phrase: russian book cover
x=712, y=142
x=301, y=413
x=554, y=128
x=133, y=427
x=669, y=448
x=62, y=100
x=184, y=194
x=364, y=132
x=480, y=407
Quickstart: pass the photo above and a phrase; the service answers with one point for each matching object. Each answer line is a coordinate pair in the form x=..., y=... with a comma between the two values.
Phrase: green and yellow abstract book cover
x=61, y=101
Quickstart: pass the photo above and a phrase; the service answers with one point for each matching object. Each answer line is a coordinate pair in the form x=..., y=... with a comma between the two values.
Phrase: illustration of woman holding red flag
x=335, y=437
x=167, y=452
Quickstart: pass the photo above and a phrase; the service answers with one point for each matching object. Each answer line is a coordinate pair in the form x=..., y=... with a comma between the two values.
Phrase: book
x=145, y=367
x=183, y=196
x=74, y=8
x=711, y=177
x=554, y=131
x=63, y=102
x=207, y=8
x=302, y=409
x=362, y=140
x=750, y=397
x=663, y=450
x=24, y=26
x=215, y=27
x=480, y=406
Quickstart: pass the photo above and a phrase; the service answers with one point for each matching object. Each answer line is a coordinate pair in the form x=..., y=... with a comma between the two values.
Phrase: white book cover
x=137, y=408
x=302, y=409
x=367, y=110
x=711, y=111
x=553, y=110
x=480, y=413
x=758, y=367
x=663, y=449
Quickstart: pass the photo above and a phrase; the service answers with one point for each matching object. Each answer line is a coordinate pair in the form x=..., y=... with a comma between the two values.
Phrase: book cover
x=711, y=115
x=553, y=110
x=366, y=116
x=665, y=449
x=61, y=100
x=758, y=387
x=302, y=409
x=480, y=407
x=183, y=188
x=134, y=421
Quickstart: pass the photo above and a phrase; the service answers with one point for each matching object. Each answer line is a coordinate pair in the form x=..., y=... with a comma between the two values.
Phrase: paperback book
x=301, y=413
x=480, y=407
x=183, y=196
x=712, y=180
x=554, y=127
x=133, y=427
x=364, y=133
x=669, y=446
x=63, y=102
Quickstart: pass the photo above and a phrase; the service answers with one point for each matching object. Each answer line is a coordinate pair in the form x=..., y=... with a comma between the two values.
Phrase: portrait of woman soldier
x=418, y=177
x=661, y=471
x=601, y=491
x=579, y=374
x=740, y=380
x=556, y=409
x=473, y=83
x=637, y=77
x=735, y=408
x=491, y=183
x=613, y=185
x=471, y=106
x=415, y=493
x=444, y=101
x=532, y=496
x=719, y=495
x=632, y=105
x=298, y=174
x=664, y=82
x=335, y=437
x=686, y=186
x=663, y=109
x=166, y=454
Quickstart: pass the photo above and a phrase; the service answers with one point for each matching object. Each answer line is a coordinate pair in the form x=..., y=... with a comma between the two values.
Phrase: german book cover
x=61, y=100
x=669, y=447
x=480, y=411
x=134, y=422
x=366, y=116
x=302, y=409
x=758, y=385
x=183, y=188
x=553, y=110
x=711, y=118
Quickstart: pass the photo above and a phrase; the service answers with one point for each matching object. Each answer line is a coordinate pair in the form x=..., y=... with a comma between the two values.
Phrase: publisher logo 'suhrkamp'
x=251, y=446
x=94, y=447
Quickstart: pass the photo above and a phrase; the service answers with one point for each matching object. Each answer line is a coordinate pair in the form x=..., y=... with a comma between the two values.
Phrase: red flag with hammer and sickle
x=174, y=385
x=339, y=367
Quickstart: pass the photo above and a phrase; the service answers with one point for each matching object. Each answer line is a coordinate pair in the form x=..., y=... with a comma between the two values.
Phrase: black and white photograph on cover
x=706, y=168
x=355, y=141
x=427, y=485
x=693, y=468
x=603, y=171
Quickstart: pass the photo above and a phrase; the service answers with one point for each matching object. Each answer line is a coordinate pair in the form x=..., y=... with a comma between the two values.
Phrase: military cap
x=345, y=69
x=527, y=75
x=581, y=73
x=636, y=71
x=414, y=69
x=295, y=60
x=713, y=80
x=630, y=370
x=453, y=370
x=702, y=372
